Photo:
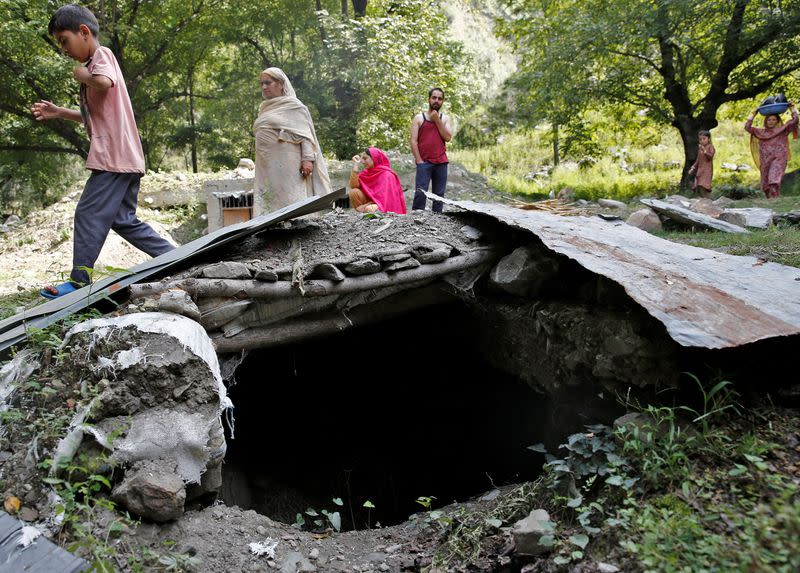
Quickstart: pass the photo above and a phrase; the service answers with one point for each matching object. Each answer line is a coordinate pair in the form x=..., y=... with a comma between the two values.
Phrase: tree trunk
x=359, y=8
x=556, y=156
x=192, y=120
x=344, y=9
x=688, y=128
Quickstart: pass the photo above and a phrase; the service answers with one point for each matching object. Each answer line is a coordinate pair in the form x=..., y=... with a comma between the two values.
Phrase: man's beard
x=435, y=106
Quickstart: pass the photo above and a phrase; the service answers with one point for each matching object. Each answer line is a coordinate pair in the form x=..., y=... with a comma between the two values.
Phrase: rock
x=611, y=203
x=432, y=252
x=723, y=201
x=402, y=265
x=791, y=217
x=567, y=194
x=227, y=270
x=688, y=217
x=266, y=275
x=329, y=271
x=245, y=163
x=706, y=207
x=523, y=272
x=151, y=492
x=314, y=554
x=759, y=218
x=729, y=166
x=582, y=202
x=733, y=218
x=12, y=220
x=646, y=220
x=362, y=267
x=28, y=514
x=179, y=302
x=606, y=567
x=296, y=563
x=395, y=257
x=471, y=233
x=181, y=176
x=679, y=200
x=528, y=532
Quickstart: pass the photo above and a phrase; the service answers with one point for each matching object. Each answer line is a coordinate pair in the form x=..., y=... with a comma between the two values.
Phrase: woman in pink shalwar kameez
x=703, y=168
x=770, y=148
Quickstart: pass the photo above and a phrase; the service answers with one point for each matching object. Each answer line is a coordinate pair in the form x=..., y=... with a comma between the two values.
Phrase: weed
x=322, y=519
x=81, y=500
x=166, y=560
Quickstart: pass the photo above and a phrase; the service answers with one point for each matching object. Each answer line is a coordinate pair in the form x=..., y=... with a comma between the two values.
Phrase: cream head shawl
x=290, y=118
x=286, y=114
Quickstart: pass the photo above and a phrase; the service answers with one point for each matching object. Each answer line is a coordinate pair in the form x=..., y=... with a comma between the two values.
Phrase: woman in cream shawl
x=289, y=162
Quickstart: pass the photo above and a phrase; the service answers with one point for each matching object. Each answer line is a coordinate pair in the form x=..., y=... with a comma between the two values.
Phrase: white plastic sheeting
x=157, y=433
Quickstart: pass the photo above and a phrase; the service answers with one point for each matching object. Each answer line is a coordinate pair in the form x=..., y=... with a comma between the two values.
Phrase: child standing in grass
x=115, y=158
x=770, y=149
x=703, y=168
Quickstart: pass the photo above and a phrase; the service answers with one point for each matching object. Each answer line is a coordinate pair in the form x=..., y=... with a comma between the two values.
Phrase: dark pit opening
x=387, y=414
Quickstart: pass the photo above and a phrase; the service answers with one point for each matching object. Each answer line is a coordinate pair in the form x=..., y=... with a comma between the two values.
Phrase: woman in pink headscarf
x=769, y=146
x=376, y=187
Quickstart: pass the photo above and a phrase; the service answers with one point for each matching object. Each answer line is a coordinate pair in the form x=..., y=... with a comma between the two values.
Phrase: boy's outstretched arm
x=43, y=110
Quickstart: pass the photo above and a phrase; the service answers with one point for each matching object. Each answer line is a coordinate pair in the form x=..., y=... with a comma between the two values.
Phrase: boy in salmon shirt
x=115, y=158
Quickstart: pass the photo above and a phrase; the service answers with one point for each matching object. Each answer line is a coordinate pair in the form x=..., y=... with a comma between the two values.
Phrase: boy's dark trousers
x=109, y=202
x=429, y=173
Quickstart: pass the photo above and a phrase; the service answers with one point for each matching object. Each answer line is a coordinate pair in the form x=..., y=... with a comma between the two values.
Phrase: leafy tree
x=681, y=60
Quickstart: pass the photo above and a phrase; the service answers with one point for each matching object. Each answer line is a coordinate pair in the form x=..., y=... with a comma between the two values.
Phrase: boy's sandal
x=53, y=292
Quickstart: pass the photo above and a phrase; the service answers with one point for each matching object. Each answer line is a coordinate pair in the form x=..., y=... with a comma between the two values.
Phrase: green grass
x=509, y=164
x=776, y=244
x=10, y=304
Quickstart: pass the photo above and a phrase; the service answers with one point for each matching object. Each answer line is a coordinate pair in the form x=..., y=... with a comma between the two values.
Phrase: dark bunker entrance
x=388, y=413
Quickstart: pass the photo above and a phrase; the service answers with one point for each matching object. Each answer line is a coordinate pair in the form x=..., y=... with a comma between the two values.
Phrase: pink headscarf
x=382, y=185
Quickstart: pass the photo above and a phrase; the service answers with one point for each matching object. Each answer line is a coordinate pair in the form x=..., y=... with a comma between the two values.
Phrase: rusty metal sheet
x=704, y=298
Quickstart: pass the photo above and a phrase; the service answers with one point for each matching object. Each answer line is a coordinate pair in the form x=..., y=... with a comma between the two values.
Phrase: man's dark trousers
x=434, y=173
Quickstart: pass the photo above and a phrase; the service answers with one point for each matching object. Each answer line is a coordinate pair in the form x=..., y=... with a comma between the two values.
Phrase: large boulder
x=157, y=413
x=645, y=219
x=524, y=272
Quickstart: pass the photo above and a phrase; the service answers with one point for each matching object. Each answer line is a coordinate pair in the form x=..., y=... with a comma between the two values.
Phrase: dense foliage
x=677, y=60
x=363, y=68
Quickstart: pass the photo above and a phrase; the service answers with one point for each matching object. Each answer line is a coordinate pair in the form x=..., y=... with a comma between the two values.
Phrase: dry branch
x=243, y=289
x=300, y=330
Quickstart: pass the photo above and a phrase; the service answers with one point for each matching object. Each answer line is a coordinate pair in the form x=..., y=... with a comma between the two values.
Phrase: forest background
x=547, y=94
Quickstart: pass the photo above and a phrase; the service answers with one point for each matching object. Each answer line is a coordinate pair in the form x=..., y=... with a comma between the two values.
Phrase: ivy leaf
x=547, y=540
x=575, y=502
x=581, y=540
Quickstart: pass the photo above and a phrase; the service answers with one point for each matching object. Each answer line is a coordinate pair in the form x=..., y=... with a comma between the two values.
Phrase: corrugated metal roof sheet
x=41, y=556
x=704, y=298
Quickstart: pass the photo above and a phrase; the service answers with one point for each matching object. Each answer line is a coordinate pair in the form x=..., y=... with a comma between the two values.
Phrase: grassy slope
x=518, y=154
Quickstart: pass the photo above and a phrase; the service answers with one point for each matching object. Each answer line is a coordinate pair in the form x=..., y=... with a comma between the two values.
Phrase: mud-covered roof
x=704, y=298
